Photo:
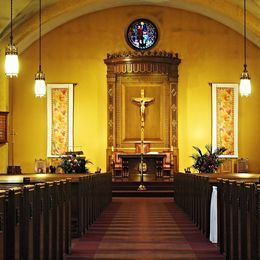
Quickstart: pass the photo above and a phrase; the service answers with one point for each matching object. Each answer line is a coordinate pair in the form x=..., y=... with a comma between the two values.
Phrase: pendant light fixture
x=40, y=87
x=11, y=53
x=245, y=85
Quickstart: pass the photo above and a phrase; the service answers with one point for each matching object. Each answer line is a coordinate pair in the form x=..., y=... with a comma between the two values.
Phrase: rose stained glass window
x=142, y=34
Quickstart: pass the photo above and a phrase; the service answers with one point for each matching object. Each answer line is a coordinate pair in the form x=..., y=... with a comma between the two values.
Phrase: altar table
x=153, y=162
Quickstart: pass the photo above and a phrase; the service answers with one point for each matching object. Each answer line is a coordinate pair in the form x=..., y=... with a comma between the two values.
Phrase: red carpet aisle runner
x=143, y=228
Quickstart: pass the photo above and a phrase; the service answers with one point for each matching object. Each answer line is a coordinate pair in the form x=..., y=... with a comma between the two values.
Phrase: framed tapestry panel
x=225, y=118
x=60, y=119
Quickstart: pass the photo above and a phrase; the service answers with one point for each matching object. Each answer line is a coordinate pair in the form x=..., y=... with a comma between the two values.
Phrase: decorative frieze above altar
x=161, y=62
x=134, y=54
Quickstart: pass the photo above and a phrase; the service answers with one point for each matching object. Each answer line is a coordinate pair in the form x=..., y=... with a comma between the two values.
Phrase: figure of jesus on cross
x=142, y=102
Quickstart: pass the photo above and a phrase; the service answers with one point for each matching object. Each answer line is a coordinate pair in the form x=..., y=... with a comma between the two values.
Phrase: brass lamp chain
x=245, y=65
x=11, y=34
x=40, y=33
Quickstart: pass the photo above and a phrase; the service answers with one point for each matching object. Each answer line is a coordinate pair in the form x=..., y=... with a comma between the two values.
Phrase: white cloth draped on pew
x=213, y=235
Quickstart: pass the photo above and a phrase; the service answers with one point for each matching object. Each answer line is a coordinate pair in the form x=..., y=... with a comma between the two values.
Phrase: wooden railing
x=37, y=221
x=238, y=209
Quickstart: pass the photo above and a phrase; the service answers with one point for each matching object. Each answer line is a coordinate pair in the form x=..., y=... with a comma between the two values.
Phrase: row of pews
x=41, y=213
x=237, y=209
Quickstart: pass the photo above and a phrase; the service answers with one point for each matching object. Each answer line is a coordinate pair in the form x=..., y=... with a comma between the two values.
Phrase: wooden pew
x=196, y=199
x=48, y=212
x=226, y=218
x=192, y=193
x=27, y=220
x=206, y=198
x=77, y=211
x=221, y=215
x=251, y=232
x=258, y=221
x=38, y=215
x=68, y=216
x=13, y=223
x=2, y=224
x=234, y=211
x=20, y=211
x=62, y=215
x=87, y=203
x=56, y=219
x=238, y=228
x=242, y=252
x=44, y=211
x=238, y=220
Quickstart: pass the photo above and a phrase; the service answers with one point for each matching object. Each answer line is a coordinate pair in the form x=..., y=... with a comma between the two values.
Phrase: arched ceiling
x=57, y=12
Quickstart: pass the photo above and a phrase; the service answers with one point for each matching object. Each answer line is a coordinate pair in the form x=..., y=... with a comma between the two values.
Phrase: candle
x=112, y=148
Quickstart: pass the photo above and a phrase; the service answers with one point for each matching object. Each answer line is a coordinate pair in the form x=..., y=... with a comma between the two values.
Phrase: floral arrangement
x=209, y=161
x=74, y=164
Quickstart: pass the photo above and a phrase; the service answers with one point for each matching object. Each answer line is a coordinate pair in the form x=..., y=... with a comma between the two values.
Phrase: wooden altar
x=158, y=166
x=152, y=170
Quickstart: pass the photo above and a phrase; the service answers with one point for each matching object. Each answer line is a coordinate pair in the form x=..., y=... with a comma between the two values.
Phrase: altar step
x=153, y=189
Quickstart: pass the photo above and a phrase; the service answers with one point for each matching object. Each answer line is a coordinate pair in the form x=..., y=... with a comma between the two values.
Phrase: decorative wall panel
x=60, y=119
x=225, y=118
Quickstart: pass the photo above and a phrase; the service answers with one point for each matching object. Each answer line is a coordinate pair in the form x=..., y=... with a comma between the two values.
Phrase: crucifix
x=142, y=102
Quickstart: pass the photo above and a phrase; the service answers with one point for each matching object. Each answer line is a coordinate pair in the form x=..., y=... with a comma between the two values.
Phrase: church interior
x=131, y=81
x=76, y=38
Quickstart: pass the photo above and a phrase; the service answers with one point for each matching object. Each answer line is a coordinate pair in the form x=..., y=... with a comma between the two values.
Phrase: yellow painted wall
x=74, y=52
x=4, y=106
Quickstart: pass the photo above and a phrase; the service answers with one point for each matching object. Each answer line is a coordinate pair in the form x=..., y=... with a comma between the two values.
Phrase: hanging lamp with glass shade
x=40, y=86
x=11, y=53
x=245, y=84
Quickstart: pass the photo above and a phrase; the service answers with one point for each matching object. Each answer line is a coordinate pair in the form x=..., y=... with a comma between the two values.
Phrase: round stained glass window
x=142, y=34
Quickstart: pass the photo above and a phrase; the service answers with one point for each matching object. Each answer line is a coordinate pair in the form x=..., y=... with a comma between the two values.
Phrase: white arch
x=59, y=13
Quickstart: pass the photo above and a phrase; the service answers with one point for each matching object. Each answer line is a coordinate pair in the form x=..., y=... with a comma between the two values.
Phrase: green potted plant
x=74, y=164
x=209, y=161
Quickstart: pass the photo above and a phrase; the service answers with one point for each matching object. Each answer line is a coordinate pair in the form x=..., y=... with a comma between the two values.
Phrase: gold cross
x=143, y=102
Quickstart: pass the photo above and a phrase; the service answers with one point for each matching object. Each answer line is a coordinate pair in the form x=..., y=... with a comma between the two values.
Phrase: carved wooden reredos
x=156, y=73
